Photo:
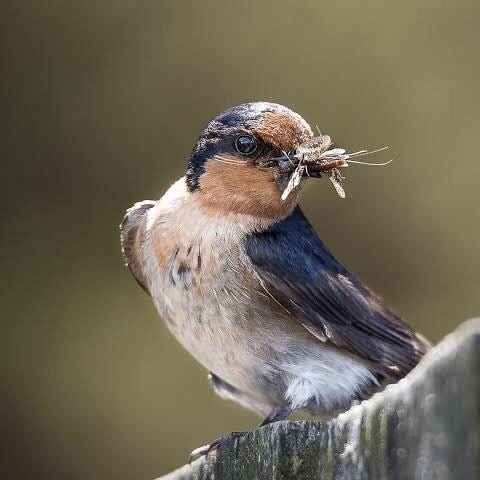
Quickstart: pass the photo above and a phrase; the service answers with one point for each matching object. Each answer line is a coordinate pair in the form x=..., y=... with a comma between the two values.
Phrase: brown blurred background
x=101, y=104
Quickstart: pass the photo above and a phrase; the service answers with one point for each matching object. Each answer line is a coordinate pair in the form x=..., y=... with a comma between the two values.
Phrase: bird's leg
x=277, y=414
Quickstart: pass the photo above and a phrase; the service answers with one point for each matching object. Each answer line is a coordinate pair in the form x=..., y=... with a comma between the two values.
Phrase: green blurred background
x=101, y=104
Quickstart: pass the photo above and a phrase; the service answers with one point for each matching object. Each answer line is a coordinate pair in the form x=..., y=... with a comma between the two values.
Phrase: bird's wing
x=132, y=231
x=301, y=274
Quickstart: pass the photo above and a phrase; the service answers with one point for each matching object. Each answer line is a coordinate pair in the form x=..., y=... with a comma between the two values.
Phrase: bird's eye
x=246, y=144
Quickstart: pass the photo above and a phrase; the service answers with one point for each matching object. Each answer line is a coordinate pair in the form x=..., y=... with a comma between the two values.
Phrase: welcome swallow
x=248, y=288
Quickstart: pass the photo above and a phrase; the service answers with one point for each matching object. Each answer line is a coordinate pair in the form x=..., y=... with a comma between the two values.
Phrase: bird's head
x=233, y=169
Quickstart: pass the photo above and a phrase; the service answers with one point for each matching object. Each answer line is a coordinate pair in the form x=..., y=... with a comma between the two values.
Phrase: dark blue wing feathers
x=302, y=275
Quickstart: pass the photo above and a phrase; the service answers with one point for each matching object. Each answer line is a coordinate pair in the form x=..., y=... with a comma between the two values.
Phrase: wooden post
x=427, y=426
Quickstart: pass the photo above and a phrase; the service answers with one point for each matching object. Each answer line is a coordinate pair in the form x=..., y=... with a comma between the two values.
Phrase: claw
x=198, y=452
x=205, y=450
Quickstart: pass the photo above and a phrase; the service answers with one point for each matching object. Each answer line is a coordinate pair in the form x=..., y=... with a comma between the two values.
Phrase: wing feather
x=303, y=276
x=132, y=231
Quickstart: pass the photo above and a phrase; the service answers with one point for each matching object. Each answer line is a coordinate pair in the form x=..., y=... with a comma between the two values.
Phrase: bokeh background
x=101, y=104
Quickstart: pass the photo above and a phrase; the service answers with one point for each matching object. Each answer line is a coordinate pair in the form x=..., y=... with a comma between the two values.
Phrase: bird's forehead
x=283, y=130
x=273, y=123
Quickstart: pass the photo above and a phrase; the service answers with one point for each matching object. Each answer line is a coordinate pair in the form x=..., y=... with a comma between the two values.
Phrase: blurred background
x=101, y=104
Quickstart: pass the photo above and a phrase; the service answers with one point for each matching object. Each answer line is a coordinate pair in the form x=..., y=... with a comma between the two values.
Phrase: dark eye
x=246, y=144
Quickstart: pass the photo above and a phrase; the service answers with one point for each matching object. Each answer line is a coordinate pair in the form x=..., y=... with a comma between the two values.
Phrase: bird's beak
x=311, y=159
x=314, y=156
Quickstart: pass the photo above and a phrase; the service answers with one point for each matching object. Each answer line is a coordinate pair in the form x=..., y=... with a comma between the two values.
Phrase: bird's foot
x=205, y=450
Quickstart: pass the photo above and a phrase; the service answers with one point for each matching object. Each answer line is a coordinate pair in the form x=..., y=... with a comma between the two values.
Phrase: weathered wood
x=427, y=426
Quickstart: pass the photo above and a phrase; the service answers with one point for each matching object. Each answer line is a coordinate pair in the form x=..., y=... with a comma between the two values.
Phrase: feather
x=303, y=276
x=132, y=229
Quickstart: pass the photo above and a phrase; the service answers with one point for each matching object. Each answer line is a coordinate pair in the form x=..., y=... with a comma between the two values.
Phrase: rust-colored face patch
x=284, y=131
x=242, y=188
x=229, y=183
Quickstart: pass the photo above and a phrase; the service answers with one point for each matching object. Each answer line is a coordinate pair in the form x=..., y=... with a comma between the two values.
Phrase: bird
x=245, y=284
